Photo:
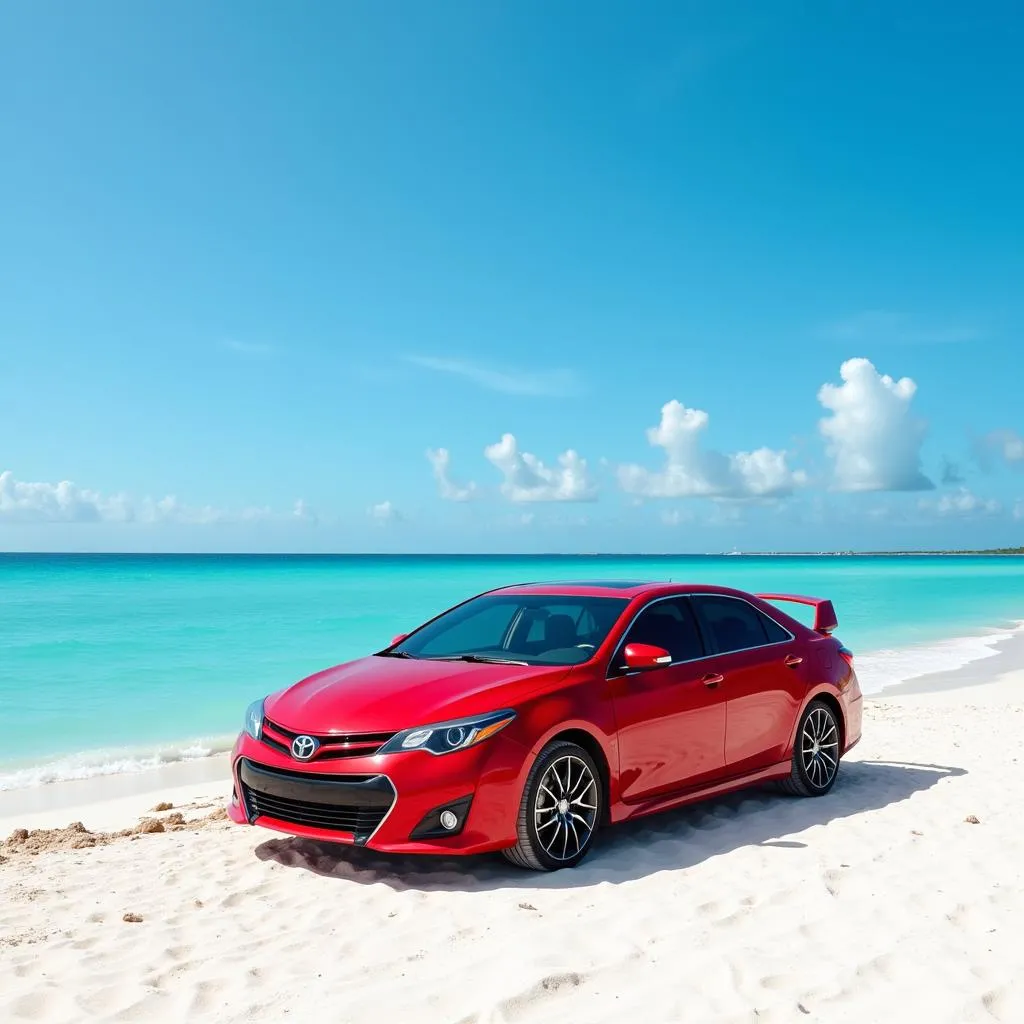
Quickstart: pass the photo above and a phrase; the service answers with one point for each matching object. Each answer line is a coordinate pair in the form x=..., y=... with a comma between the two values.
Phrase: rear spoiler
x=824, y=614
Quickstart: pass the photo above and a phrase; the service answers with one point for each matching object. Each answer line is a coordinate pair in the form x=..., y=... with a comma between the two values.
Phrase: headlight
x=445, y=737
x=254, y=720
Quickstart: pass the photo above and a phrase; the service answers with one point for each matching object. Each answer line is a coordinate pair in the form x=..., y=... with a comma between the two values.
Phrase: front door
x=670, y=720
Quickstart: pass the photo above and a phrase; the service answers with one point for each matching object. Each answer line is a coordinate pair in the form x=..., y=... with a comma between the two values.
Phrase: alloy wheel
x=566, y=807
x=819, y=747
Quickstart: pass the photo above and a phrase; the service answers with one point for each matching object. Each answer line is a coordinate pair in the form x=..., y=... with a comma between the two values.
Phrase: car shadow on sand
x=662, y=842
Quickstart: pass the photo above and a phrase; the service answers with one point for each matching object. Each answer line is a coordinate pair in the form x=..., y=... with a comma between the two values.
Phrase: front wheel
x=815, y=752
x=560, y=809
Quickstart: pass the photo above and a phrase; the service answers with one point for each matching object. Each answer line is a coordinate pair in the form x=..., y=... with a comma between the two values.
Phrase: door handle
x=712, y=679
x=792, y=660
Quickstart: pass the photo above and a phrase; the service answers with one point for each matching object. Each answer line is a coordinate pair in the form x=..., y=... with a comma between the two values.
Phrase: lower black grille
x=355, y=804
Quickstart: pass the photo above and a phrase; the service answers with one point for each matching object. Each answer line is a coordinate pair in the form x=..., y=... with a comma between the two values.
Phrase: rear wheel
x=815, y=752
x=560, y=809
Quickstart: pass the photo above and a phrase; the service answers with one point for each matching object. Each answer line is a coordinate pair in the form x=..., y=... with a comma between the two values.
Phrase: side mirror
x=640, y=657
x=397, y=639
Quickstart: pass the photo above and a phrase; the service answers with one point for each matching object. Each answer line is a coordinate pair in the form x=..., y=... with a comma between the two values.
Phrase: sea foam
x=92, y=763
x=876, y=671
x=880, y=669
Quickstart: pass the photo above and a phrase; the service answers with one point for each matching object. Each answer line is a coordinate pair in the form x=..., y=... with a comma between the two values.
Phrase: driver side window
x=669, y=624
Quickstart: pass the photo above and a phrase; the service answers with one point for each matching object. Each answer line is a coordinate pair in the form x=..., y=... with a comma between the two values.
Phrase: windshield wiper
x=479, y=659
x=395, y=654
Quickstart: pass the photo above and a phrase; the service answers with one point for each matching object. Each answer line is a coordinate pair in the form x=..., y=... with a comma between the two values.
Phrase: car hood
x=380, y=694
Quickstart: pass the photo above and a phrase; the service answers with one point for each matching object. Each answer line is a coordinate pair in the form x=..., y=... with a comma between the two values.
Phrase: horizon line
x=835, y=553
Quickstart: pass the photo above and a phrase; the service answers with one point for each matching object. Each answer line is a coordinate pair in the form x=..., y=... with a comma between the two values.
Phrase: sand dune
x=881, y=902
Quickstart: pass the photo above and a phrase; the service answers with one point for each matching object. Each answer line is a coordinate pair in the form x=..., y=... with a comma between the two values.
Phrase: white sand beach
x=899, y=896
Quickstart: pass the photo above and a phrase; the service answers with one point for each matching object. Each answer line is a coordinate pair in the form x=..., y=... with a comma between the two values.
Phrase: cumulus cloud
x=872, y=437
x=385, y=512
x=1018, y=510
x=440, y=460
x=66, y=502
x=526, y=478
x=963, y=503
x=539, y=383
x=691, y=471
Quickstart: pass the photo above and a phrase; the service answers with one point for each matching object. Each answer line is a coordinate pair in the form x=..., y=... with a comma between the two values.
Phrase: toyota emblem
x=304, y=747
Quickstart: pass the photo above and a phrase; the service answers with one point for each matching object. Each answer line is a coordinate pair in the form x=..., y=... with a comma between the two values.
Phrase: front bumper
x=386, y=802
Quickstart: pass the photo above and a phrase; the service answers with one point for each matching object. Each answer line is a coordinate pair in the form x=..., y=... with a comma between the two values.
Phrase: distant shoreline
x=509, y=556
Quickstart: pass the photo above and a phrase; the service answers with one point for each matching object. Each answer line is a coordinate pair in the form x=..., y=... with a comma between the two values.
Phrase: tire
x=816, y=752
x=563, y=798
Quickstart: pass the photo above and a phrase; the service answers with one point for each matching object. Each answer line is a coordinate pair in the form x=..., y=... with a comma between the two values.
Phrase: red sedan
x=525, y=717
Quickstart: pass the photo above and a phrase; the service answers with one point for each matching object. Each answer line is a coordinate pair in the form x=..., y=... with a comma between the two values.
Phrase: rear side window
x=737, y=626
x=776, y=634
x=670, y=625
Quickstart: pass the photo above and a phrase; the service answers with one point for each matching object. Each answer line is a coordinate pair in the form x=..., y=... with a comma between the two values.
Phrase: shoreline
x=913, y=863
x=105, y=799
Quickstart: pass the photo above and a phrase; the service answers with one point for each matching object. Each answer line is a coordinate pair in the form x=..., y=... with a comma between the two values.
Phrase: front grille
x=358, y=821
x=354, y=804
x=332, y=745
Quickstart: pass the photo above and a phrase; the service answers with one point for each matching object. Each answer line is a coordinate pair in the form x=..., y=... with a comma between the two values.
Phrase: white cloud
x=440, y=460
x=542, y=383
x=690, y=471
x=385, y=512
x=1018, y=509
x=871, y=435
x=66, y=502
x=1008, y=444
x=962, y=502
x=526, y=478
x=879, y=325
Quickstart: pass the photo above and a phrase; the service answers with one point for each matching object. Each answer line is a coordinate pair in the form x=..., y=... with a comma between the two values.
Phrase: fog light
x=444, y=822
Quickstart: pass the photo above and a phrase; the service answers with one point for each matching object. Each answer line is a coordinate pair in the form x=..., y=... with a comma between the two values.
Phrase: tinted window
x=540, y=629
x=776, y=634
x=734, y=625
x=537, y=621
x=483, y=628
x=671, y=625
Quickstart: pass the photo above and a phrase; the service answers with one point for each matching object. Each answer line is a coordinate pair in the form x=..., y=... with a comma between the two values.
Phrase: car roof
x=610, y=588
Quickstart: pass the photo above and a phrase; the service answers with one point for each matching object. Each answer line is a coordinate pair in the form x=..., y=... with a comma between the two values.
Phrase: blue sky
x=256, y=261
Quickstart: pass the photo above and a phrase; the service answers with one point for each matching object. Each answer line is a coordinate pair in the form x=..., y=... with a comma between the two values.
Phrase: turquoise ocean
x=117, y=663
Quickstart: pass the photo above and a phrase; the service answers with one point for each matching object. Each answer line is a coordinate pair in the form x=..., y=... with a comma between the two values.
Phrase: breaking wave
x=880, y=669
x=92, y=763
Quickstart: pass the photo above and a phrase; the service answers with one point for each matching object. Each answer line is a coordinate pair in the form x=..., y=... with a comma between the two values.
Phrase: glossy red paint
x=645, y=656
x=662, y=735
x=825, y=620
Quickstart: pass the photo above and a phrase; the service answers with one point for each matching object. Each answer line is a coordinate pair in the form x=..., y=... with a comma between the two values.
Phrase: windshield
x=533, y=629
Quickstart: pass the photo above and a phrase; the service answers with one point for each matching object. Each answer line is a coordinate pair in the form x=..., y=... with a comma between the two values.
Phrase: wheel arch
x=825, y=696
x=592, y=745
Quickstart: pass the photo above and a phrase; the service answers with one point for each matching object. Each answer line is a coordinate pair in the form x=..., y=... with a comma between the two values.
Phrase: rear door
x=763, y=679
x=671, y=720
